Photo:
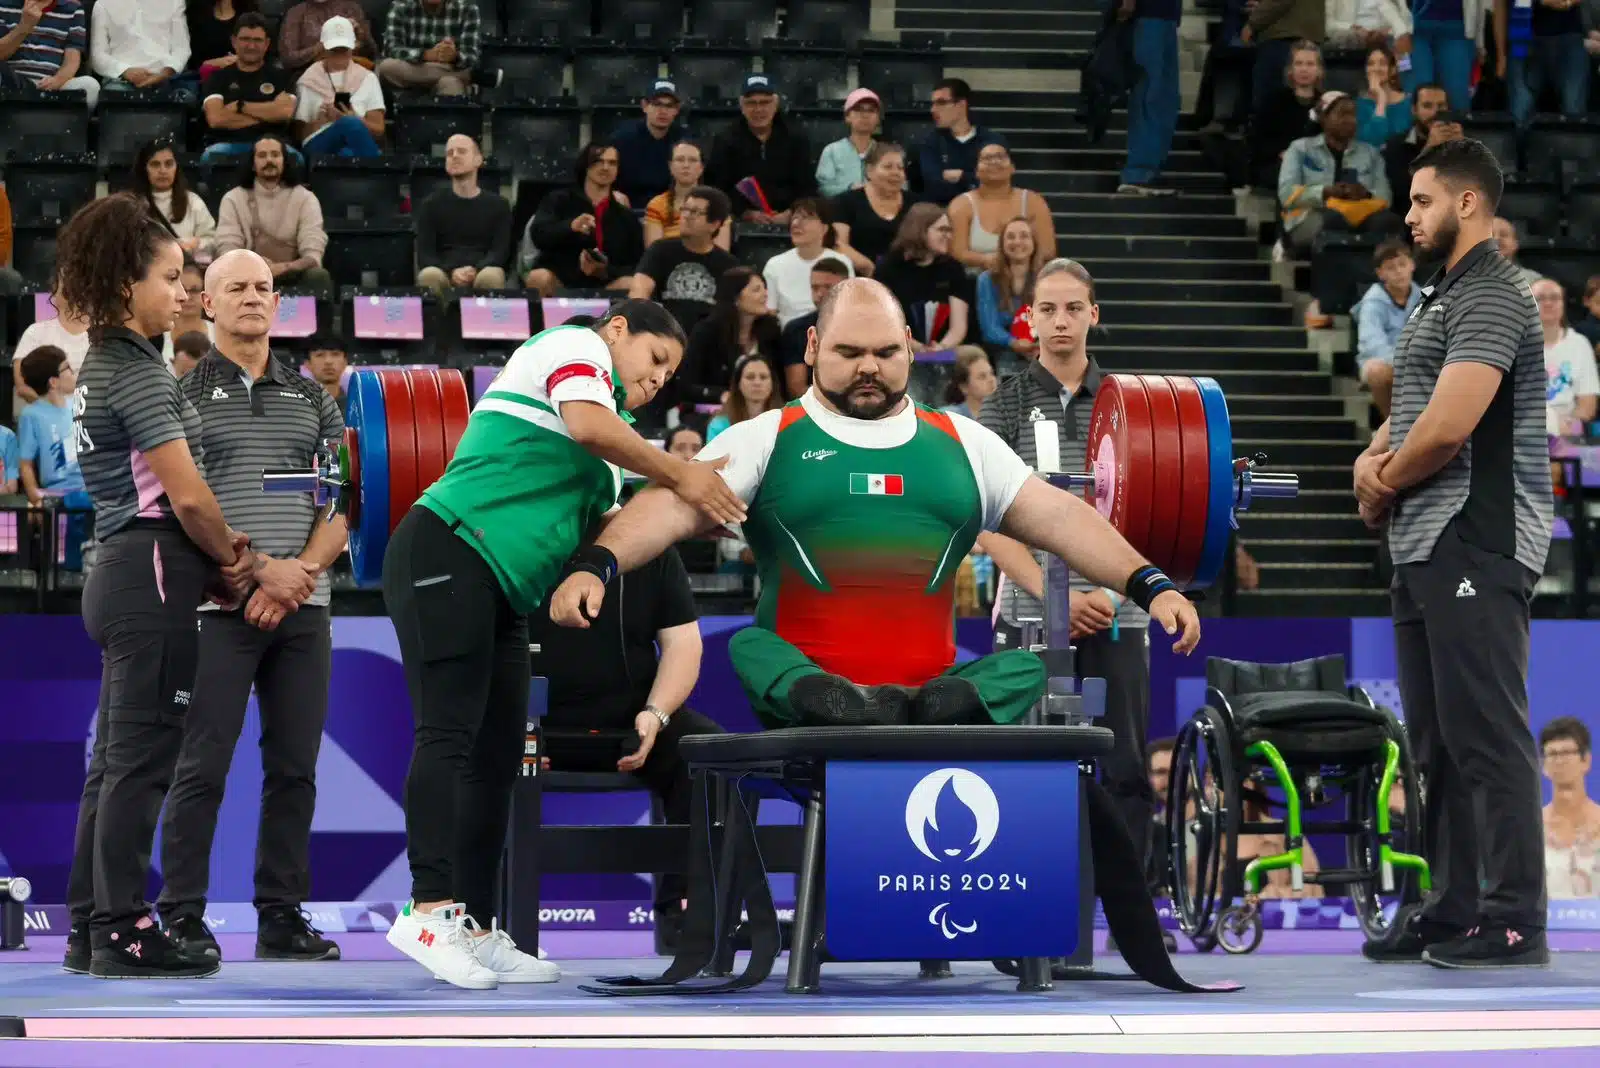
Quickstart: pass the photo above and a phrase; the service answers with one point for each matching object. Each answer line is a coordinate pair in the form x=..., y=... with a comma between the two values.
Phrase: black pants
x=1461, y=645
x=139, y=606
x=289, y=668
x=465, y=651
x=664, y=774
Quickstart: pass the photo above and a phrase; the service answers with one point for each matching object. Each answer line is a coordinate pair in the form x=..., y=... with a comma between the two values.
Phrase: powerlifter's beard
x=858, y=405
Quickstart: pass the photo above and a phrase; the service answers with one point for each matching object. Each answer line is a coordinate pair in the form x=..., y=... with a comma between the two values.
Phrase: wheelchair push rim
x=1202, y=779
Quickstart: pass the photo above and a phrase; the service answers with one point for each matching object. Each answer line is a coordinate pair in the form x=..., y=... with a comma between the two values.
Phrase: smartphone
x=598, y=256
x=341, y=101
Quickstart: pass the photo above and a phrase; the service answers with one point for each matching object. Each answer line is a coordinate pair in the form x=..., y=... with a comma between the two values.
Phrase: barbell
x=1160, y=464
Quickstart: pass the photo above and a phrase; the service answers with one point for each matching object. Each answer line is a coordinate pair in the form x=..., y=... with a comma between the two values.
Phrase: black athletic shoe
x=1411, y=936
x=948, y=701
x=77, y=958
x=831, y=701
x=1492, y=946
x=190, y=934
x=143, y=951
x=284, y=932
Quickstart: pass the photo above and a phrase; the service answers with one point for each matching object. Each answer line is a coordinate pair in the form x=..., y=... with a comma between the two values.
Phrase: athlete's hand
x=577, y=600
x=1177, y=615
x=699, y=484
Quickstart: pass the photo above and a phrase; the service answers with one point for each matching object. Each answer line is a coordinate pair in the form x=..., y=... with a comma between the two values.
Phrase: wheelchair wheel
x=1203, y=823
x=1239, y=929
x=1362, y=848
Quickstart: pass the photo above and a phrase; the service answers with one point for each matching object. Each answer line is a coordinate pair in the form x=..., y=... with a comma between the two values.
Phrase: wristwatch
x=656, y=712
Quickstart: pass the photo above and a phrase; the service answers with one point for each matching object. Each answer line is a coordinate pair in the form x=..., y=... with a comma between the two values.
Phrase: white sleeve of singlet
x=574, y=365
x=747, y=446
x=999, y=470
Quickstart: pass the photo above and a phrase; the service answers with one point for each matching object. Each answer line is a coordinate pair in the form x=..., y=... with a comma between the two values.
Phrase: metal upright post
x=520, y=869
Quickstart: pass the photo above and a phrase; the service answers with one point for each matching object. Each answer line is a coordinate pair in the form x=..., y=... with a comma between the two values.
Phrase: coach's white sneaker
x=498, y=953
x=441, y=943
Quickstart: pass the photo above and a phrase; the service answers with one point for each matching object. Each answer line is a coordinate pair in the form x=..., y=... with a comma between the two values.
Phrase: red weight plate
x=428, y=410
x=1166, y=470
x=1196, y=491
x=456, y=403
x=1119, y=452
x=351, y=463
x=400, y=410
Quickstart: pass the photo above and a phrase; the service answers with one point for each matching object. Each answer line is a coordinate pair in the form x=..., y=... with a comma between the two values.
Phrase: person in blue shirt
x=8, y=460
x=48, y=445
x=1380, y=316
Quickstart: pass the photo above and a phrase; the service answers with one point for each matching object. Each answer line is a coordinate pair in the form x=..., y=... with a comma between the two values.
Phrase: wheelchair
x=1300, y=730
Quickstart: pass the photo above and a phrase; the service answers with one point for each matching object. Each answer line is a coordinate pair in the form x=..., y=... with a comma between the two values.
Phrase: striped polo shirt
x=1497, y=488
x=127, y=404
x=64, y=26
x=278, y=420
x=1025, y=398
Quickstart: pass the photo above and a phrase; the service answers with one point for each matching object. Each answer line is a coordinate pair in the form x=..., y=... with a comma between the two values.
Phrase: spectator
x=585, y=237
x=158, y=178
x=1332, y=181
x=188, y=350
x=646, y=146
x=1556, y=57
x=1380, y=316
x=1510, y=242
x=930, y=285
x=10, y=281
x=463, y=233
x=1572, y=385
x=1589, y=325
x=248, y=99
x=1005, y=292
x=300, y=42
x=192, y=320
x=42, y=44
x=971, y=381
x=140, y=44
x=1153, y=102
x=339, y=107
x=1359, y=24
x=1572, y=818
x=1446, y=38
x=825, y=274
x=47, y=446
x=737, y=326
x=866, y=220
x=1288, y=113
x=1276, y=27
x=431, y=44
x=685, y=442
x=661, y=213
x=1382, y=110
x=945, y=165
x=788, y=274
x=681, y=272
x=843, y=163
x=328, y=364
x=1431, y=124
x=979, y=215
x=762, y=161
x=752, y=390
x=270, y=213
x=211, y=27
x=1276, y=884
x=10, y=460
x=65, y=332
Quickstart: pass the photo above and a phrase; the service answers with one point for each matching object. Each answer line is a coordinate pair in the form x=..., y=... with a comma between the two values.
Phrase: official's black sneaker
x=1412, y=934
x=831, y=701
x=284, y=932
x=143, y=951
x=190, y=934
x=948, y=701
x=1492, y=946
x=78, y=954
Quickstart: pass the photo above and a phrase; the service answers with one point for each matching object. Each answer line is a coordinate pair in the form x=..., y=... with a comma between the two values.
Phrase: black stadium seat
x=1499, y=135
x=831, y=22
x=1572, y=263
x=533, y=70
x=370, y=254
x=742, y=22
x=809, y=74
x=607, y=72
x=903, y=74
x=47, y=189
x=33, y=252
x=1344, y=70
x=525, y=134
x=1568, y=147
x=490, y=23
x=36, y=122
x=549, y=20
x=359, y=190
x=129, y=121
x=425, y=125
x=656, y=23
x=1583, y=211
x=1534, y=205
x=905, y=127
x=709, y=74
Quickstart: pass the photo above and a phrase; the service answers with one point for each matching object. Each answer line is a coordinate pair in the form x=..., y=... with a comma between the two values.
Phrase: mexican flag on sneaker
x=877, y=485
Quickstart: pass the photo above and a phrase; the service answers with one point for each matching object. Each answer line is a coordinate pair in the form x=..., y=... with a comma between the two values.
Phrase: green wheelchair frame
x=1217, y=909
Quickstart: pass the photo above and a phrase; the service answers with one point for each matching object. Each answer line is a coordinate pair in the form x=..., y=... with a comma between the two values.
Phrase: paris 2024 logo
x=952, y=818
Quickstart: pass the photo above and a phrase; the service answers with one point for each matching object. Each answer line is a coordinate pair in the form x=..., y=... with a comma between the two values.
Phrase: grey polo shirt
x=1025, y=398
x=1497, y=488
x=279, y=420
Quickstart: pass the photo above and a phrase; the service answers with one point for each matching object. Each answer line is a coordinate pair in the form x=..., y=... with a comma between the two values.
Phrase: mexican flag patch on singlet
x=877, y=485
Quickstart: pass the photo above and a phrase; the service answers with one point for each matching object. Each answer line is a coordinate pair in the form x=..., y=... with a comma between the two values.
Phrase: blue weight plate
x=1219, y=513
x=364, y=410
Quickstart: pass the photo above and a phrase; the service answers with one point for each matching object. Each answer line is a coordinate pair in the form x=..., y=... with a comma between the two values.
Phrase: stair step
x=1315, y=550
x=1311, y=501
x=1313, y=603
x=1233, y=379
x=1149, y=223
x=1046, y=34
x=1102, y=157
x=1010, y=58
x=953, y=21
x=1318, y=575
x=1166, y=247
x=1050, y=181
x=1330, y=478
x=1119, y=290
x=1290, y=426
x=1244, y=340
x=1289, y=452
x=1161, y=357
x=1195, y=312
x=1246, y=405
x=1099, y=204
x=1028, y=137
x=1179, y=269
x=1037, y=7
x=1279, y=525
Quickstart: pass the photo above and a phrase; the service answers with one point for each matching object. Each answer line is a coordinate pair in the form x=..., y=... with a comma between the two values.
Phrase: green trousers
x=1009, y=683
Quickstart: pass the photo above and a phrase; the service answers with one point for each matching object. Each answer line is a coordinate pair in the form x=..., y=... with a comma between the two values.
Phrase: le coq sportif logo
x=972, y=792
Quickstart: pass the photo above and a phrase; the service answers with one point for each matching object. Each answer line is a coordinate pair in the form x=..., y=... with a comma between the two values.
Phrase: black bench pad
x=807, y=744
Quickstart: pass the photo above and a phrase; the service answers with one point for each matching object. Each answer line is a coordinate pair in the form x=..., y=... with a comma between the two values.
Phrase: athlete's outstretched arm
x=654, y=521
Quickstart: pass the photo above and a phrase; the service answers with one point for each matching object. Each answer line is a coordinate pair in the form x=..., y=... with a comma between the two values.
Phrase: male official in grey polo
x=1460, y=475
x=1111, y=635
x=256, y=413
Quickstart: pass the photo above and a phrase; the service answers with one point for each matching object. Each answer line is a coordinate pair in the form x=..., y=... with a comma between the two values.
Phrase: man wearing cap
x=843, y=165
x=1332, y=181
x=761, y=161
x=300, y=36
x=644, y=145
x=338, y=103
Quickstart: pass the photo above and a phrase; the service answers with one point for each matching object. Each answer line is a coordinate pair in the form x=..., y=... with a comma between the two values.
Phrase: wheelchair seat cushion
x=1235, y=678
x=1311, y=710
x=1011, y=743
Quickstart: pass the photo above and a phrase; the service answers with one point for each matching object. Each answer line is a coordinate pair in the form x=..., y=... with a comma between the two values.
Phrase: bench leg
x=519, y=882
x=934, y=969
x=1035, y=977
x=805, y=967
x=726, y=800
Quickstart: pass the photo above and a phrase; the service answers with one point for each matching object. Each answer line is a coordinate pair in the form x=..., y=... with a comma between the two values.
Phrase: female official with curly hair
x=162, y=540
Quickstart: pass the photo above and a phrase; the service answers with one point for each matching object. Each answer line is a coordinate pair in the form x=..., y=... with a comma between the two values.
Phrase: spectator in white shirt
x=339, y=103
x=141, y=44
x=69, y=335
x=158, y=178
x=1572, y=385
x=788, y=274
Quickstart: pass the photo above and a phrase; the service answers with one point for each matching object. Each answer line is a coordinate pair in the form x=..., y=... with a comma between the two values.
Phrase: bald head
x=240, y=297
x=241, y=262
x=861, y=296
x=860, y=350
